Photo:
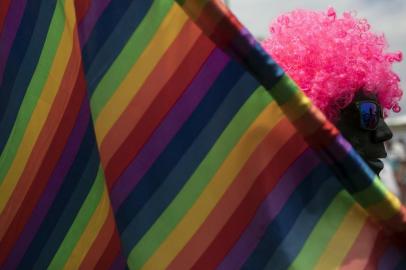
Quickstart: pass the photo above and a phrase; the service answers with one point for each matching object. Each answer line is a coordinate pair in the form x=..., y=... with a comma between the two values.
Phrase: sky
x=387, y=16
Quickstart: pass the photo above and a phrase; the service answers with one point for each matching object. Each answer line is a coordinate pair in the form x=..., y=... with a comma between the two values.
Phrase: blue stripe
x=173, y=168
x=287, y=251
x=22, y=62
x=354, y=174
x=401, y=265
x=280, y=227
x=66, y=205
x=251, y=54
x=391, y=258
x=109, y=36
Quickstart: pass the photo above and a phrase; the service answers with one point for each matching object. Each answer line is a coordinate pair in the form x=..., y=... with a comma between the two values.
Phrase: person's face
x=368, y=143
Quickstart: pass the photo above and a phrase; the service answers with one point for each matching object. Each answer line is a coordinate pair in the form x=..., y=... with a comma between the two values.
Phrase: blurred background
x=385, y=16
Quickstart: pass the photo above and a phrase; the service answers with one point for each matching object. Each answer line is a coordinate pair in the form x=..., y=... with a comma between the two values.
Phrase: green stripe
x=181, y=2
x=34, y=90
x=129, y=55
x=375, y=193
x=80, y=223
x=195, y=9
x=323, y=232
x=283, y=90
x=194, y=2
x=198, y=181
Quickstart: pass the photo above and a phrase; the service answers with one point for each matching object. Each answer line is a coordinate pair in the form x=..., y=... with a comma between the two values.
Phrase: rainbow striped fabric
x=158, y=135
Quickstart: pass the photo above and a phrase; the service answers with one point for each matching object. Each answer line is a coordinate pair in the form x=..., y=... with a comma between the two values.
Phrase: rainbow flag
x=159, y=135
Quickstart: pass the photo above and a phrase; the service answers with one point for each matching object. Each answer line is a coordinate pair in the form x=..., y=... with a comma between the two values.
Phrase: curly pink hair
x=332, y=58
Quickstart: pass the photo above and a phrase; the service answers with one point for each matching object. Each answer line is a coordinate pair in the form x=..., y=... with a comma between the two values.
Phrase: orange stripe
x=44, y=140
x=357, y=257
x=152, y=87
x=111, y=254
x=194, y=8
x=264, y=153
x=398, y=222
x=100, y=244
x=313, y=126
x=309, y=121
x=208, y=15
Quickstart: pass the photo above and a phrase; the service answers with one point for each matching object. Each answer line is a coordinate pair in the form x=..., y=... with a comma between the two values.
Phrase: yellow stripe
x=166, y=34
x=89, y=235
x=298, y=104
x=341, y=243
x=299, y=109
x=388, y=205
x=215, y=189
x=387, y=208
x=41, y=111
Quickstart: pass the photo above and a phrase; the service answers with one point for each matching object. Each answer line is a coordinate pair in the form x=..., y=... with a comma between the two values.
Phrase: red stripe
x=4, y=6
x=318, y=132
x=158, y=109
x=224, y=34
x=323, y=137
x=378, y=251
x=51, y=158
x=241, y=218
x=398, y=222
x=397, y=226
x=111, y=253
x=81, y=7
x=216, y=20
x=357, y=257
x=100, y=244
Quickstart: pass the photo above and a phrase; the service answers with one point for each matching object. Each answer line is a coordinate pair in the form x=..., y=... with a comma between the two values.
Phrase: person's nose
x=382, y=132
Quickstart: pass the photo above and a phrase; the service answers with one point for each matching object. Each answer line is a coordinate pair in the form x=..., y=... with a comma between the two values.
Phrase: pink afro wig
x=332, y=58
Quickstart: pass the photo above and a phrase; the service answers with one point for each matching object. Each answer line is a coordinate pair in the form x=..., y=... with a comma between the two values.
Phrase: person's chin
x=376, y=165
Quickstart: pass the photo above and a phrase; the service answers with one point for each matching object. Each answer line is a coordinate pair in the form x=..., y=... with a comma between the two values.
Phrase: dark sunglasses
x=369, y=114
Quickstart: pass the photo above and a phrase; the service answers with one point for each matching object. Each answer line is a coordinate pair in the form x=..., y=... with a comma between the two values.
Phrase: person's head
x=362, y=123
x=343, y=68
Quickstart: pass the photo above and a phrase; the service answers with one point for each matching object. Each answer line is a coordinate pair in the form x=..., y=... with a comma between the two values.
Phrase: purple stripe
x=169, y=127
x=119, y=263
x=54, y=184
x=390, y=259
x=269, y=209
x=7, y=36
x=336, y=151
x=89, y=21
x=340, y=147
